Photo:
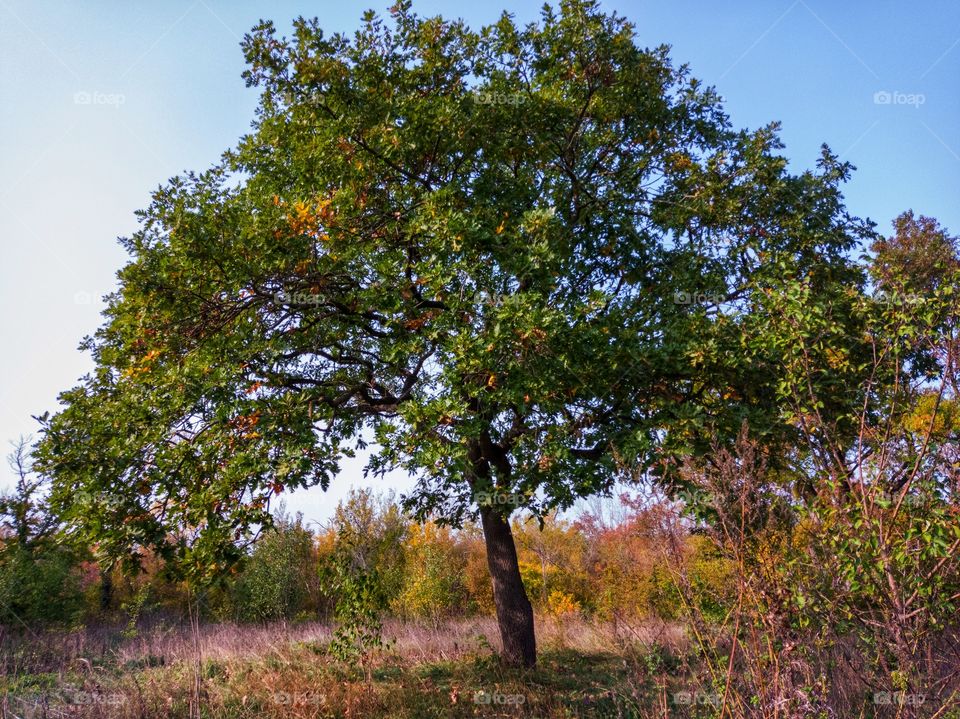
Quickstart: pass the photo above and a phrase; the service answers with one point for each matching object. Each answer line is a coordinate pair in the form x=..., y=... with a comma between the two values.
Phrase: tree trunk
x=106, y=589
x=514, y=612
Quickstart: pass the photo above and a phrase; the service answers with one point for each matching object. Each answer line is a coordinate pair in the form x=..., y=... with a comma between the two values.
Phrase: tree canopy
x=519, y=261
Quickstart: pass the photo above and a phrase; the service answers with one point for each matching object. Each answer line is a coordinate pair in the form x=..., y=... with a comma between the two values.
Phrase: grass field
x=585, y=670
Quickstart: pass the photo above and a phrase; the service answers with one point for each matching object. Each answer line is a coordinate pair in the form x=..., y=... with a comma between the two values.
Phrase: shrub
x=433, y=588
x=40, y=576
x=372, y=530
x=360, y=601
x=39, y=586
x=279, y=581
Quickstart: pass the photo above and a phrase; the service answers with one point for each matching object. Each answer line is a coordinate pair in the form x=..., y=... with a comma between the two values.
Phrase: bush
x=373, y=531
x=39, y=586
x=435, y=563
x=40, y=577
x=279, y=581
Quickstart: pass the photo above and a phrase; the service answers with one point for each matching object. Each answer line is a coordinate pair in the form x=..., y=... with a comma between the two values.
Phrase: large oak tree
x=515, y=261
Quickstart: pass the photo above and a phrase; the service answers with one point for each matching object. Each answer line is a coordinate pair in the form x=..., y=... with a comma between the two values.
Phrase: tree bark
x=106, y=588
x=514, y=612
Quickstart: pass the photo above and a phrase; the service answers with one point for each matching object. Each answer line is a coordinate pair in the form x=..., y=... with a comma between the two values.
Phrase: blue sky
x=100, y=102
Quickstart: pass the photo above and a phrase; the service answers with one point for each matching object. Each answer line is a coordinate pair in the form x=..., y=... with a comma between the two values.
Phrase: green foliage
x=373, y=531
x=711, y=577
x=522, y=259
x=40, y=575
x=871, y=546
x=361, y=571
x=279, y=579
x=360, y=604
x=133, y=609
x=40, y=586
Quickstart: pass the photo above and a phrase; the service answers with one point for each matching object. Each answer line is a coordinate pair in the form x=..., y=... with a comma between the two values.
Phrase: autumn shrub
x=841, y=600
x=156, y=588
x=552, y=559
x=631, y=573
x=433, y=587
x=621, y=564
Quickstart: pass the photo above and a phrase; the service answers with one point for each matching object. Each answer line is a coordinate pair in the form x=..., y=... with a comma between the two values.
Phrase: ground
x=585, y=670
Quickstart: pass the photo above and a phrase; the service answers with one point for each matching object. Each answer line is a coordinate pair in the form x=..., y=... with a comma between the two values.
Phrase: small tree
x=279, y=581
x=360, y=601
x=371, y=530
x=39, y=574
x=25, y=518
x=362, y=570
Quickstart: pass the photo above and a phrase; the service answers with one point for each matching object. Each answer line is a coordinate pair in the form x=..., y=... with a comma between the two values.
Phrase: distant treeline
x=424, y=572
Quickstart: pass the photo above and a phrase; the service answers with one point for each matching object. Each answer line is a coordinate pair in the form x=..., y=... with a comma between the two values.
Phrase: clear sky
x=100, y=102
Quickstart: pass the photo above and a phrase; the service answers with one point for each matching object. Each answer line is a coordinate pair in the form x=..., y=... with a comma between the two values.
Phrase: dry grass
x=233, y=671
x=160, y=642
x=226, y=671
